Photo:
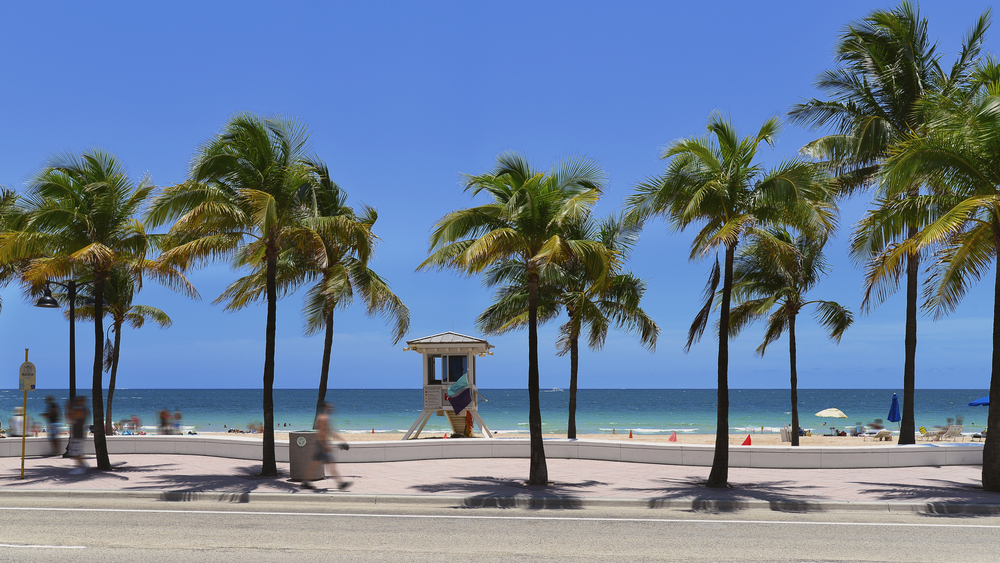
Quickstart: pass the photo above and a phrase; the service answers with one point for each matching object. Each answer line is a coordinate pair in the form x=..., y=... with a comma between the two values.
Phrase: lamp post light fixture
x=49, y=302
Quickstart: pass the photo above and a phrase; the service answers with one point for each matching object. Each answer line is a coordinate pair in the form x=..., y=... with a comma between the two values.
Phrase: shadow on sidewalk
x=498, y=492
x=950, y=497
x=693, y=493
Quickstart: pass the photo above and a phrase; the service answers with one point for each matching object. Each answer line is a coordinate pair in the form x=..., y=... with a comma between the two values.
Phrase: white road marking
x=531, y=518
x=45, y=546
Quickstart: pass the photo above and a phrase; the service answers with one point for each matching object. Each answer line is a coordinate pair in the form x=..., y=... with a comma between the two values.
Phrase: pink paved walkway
x=500, y=481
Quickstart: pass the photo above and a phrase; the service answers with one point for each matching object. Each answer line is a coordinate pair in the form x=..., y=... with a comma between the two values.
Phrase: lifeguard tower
x=446, y=358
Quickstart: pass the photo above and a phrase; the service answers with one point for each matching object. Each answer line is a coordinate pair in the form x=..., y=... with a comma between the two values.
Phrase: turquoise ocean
x=643, y=411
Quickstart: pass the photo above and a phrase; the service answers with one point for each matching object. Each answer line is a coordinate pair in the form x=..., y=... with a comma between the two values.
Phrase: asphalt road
x=139, y=531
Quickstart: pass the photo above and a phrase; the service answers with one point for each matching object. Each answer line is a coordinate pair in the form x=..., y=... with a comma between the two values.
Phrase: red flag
x=747, y=441
x=673, y=437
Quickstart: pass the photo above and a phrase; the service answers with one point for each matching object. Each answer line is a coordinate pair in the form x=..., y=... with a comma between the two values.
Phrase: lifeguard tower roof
x=450, y=341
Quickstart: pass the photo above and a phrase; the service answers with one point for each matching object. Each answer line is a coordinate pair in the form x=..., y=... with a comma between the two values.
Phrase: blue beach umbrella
x=894, y=410
x=981, y=402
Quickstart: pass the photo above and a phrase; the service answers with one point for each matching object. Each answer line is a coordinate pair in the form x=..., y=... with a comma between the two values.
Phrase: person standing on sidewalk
x=51, y=415
x=76, y=415
x=324, y=450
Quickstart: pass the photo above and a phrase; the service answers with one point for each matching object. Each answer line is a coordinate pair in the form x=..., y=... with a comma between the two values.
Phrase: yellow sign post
x=26, y=379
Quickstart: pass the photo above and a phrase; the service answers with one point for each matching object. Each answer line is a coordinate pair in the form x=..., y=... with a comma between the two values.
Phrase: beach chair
x=883, y=434
x=925, y=434
x=954, y=433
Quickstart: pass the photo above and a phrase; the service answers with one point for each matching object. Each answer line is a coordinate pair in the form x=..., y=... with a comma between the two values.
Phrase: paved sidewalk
x=500, y=482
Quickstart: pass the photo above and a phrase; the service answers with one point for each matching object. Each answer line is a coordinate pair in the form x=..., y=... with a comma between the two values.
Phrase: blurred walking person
x=76, y=415
x=324, y=450
x=51, y=416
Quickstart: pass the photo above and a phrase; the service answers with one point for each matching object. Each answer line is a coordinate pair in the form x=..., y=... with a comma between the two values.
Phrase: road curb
x=522, y=501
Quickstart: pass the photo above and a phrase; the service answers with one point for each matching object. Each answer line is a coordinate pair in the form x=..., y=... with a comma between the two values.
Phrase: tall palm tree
x=334, y=256
x=119, y=291
x=772, y=277
x=81, y=213
x=715, y=182
x=588, y=306
x=524, y=222
x=886, y=64
x=247, y=198
x=960, y=160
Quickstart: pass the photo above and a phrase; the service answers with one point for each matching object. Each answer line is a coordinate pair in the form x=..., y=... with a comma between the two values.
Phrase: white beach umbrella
x=831, y=413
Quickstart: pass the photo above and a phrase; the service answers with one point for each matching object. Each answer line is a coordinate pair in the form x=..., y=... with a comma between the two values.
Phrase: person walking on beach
x=324, y=450
x=51, y=415
x=76, y=415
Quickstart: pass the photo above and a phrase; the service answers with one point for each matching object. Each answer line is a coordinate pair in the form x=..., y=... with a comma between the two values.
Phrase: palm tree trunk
x=538, y=471
x=97, y=390
x=72, y=341
x=574, y=367
x=719, y=476
x=907, y=428
x=794, y=379
x=109, y=418
x=991, y=448
x=324, y=372
x=270, y=466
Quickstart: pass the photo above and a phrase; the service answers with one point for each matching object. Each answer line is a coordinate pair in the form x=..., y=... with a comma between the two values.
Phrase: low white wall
x=636, y=452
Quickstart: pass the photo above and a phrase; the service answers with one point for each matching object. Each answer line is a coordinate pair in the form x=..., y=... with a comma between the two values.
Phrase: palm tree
x=81, y=216
x=119, y=291
x=772, y=277
x=960, y=160
x=335, y=257
x=10, y=219
x=524, y=222
x=587, y=305
x=247, y=198
x=714, y=181
x=886, y=66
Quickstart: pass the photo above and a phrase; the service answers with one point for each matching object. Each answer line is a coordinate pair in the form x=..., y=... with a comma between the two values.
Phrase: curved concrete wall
x=635, y=452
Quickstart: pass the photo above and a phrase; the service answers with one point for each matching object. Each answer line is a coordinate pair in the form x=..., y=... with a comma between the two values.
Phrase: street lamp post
x=49, y=302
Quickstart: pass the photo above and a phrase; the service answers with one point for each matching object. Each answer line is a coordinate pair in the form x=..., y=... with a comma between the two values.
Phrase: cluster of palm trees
x=923, y=139
x=255, y=196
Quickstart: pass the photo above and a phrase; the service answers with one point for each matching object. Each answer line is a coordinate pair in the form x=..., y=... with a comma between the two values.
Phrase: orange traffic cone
x=673, y=437
x=629, y=433
x=747, y=441
x=373, y=430
x=446, y=435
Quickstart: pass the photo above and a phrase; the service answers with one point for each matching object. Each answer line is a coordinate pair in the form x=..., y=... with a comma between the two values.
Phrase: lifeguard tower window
x=450, y=368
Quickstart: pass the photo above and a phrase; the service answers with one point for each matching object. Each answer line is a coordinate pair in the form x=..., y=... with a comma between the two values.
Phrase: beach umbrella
x=894, y=410
x=831, y=413
x=981, y=402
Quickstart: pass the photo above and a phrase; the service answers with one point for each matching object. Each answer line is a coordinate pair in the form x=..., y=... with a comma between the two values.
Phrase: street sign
x=26, y=377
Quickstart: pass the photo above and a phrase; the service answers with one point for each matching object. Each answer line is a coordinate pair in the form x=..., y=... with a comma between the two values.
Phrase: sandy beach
x=709, y=439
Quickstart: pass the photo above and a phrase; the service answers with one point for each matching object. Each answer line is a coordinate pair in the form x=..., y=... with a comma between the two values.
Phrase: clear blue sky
x=402, y=97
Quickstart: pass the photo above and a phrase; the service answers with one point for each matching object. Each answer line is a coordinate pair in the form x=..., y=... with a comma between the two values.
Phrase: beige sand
x=734, y=439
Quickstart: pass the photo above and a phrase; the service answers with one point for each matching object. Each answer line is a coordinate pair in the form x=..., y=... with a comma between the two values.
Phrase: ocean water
x=643, y=411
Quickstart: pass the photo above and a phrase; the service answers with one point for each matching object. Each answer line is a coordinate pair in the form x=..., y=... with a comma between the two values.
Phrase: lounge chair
x=883, y=434
x=954, y=433
x=926, y=434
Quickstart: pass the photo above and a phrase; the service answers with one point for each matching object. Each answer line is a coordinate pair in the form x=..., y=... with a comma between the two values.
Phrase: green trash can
x=301, y=449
